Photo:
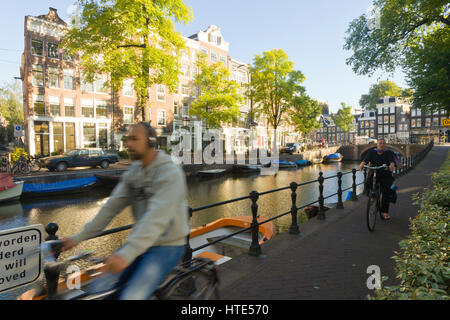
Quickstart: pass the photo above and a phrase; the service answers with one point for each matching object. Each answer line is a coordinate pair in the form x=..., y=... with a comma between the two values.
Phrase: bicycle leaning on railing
x=193, y=280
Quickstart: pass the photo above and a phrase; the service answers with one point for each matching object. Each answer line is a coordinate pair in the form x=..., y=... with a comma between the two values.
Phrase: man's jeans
x=143, y=276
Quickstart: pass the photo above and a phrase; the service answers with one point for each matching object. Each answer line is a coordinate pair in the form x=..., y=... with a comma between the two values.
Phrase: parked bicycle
x=374, y=202
x=34, y=163
x=196, y=279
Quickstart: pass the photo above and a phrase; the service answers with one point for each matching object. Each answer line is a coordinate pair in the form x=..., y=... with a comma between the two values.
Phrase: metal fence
x=406, y=164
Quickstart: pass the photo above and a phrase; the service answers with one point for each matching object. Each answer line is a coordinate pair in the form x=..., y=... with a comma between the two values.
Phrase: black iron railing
x=406, y=164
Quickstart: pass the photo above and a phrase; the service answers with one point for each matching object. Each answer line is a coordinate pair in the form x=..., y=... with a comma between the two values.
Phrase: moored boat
x=316, y=161
x=108, y=180
x=334, y=157
x=211, y=173
x=302, y=163
x=9, y=190
x=60, y=187
x=244, y=169
x=285, y=164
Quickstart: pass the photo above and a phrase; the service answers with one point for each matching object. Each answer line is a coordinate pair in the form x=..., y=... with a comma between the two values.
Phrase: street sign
x=18, y=131
x=20, y=256
x=446, y=122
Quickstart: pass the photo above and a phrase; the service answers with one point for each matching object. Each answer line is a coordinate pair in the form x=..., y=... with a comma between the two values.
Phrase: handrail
x=406, y=164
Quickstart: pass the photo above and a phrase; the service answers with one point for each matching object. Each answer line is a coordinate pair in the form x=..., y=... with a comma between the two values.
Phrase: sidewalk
x=329, y=259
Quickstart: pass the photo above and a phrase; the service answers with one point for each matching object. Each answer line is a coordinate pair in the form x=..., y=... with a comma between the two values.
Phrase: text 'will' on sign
x=20, y=256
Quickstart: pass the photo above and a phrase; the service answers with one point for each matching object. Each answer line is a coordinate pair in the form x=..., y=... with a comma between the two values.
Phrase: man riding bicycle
x=155, y=187
x=378, y=157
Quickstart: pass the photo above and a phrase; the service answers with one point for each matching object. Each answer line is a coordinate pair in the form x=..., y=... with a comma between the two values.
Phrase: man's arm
x=366, y=160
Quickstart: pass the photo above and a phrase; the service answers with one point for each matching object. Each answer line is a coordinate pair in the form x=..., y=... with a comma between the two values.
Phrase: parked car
x=294, y=147
x=79, y=158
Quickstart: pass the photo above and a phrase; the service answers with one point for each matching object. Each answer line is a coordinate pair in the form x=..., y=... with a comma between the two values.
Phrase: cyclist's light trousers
x=143, y=276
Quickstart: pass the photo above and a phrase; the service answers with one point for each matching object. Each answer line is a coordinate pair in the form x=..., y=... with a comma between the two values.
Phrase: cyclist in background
x=155, y=187
x=378, y=157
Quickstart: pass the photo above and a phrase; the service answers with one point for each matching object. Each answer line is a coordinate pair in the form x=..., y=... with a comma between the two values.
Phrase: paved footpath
x=329, y=259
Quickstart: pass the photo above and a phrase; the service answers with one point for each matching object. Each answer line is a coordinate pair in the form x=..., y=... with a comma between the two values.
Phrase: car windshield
x=71, y=153
x=290, y=145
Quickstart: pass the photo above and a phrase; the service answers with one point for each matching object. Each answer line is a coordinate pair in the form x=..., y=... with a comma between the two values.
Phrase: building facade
x=393, y=115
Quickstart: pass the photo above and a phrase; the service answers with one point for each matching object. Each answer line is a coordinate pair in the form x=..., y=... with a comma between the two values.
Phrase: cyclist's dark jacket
x=378, y=160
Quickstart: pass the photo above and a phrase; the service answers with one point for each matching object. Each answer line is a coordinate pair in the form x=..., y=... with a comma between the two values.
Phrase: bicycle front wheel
x=371, y=212
x=198, y=285
x=35, y=166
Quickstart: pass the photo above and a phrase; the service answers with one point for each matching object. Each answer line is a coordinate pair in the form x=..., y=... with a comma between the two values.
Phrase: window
x=58, y=136
x=380, y=119
x=427, y=122
x=362, y=124
x=380, y=129
x=52, y=50
x=392, y=119
x=38, y=104
x=392, y=128
x=161, y=117
x=69, y=109
x=213, y=56
x=67, y=56
x=413, y=123
x=386, y=119
x=87, y=108
x=413, y=112
x=37, y=48
x=185, y=70
x=204, y=51
x=442, y=111
x=372, y=133
x=175, y=108
x=223, y=59
x=419, y=112
x=68, y=79
x=86, y=86
x=386, y=129
x=419, y=122
x=128, y=87
x=100, y=84
x=194, y=73
x=184, y=55
x=435, y=121
x=185, y=110
x=38, y=75
x=70, y=136
x=55, y=108
x=89, y=140
x=392, y=109
x=372, y=124
x=128, y=114
x=161, y=92
x=102, y=136
x=101, y=109
x=53, y=77
x=185, y=89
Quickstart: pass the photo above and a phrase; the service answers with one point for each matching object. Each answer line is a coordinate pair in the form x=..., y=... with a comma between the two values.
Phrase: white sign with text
x=20, y=256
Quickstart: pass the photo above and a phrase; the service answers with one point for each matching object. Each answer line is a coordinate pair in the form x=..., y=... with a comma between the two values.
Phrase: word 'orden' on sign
x=20, y=256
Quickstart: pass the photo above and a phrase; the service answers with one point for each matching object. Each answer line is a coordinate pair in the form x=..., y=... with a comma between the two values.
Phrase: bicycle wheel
x=24, y=167
x=35, y=166
x=371, y=213
x=198, y=285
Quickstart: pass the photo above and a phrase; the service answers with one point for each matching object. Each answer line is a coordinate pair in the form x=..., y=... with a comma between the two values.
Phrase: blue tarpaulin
x=65, y=185
x=333, y=156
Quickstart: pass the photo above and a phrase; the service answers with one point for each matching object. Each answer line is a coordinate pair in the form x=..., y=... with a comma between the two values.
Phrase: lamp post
x=252, y=123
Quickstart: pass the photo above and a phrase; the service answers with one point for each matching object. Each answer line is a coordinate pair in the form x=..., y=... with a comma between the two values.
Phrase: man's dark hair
x=151, y=134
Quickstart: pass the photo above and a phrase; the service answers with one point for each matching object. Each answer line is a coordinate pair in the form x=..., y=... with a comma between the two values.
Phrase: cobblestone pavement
x=329, y=259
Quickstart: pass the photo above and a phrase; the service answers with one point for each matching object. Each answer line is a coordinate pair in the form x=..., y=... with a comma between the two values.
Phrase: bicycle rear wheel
x=35, y=166
x=371, y=213
x=198, y=285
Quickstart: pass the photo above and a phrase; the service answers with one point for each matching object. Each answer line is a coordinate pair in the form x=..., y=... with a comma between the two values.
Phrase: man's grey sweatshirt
x=158, y=198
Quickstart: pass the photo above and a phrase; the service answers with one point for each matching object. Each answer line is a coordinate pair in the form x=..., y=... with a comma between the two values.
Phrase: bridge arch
x=396, y=148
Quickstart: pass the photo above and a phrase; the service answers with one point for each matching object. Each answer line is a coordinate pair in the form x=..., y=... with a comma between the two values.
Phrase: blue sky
x=311, y=33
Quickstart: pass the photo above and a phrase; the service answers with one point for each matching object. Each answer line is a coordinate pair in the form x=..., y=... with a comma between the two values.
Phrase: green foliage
x=11, y=108
x=129, y=40
x=123, y=154
x=219, y=98
x=344, y=118
x=423, y=263
x=15, y=155
x=275, y=84
x=304, y=113
x=407, y=34
x=379, y=90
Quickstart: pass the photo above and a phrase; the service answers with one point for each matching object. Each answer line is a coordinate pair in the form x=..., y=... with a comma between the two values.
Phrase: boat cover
x=333, y=156
x=302, y=162
x=6, y=181
x=65, y=185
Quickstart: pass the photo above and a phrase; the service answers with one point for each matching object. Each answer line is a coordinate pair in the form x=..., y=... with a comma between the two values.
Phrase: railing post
x=188, y=254
x=321, y=214
x=354, y=196
x=294, y=225
x=339, y=205
x=255, y=248
x=51, y=275
x=51, y=230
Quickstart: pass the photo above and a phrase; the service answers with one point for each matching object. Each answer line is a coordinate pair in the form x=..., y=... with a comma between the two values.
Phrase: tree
x=304, y=113
x=129, y=40
x=377, y=91
x=218, y=97
x=344, y=118
x=403, y=37
x=11, y=108
x=274, y=85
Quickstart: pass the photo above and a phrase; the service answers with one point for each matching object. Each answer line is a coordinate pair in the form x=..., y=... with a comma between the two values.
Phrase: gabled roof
x=52, y=16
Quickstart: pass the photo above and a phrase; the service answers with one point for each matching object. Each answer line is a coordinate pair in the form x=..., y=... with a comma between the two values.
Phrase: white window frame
x=49, y=70
x=128, y=86
x=161, y=91
x=125, y=114
x=159, y=117
x=68, y=72
x=31, y=48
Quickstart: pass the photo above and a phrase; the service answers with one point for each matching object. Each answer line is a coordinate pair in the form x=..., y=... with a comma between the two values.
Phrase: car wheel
x=62, y=166
x=104, y=164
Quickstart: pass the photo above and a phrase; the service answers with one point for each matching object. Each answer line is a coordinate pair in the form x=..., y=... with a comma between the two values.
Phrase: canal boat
x=108, y=180
x=60, y=187
x=302, y=163
x=316, y=161
x=283, y=164
x=245, y=169
x=9, y=190
x=211, y=173
x=224, y=250
x=334, y=157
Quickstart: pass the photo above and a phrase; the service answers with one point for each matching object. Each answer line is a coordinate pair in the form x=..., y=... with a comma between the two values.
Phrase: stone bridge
x=357, y=152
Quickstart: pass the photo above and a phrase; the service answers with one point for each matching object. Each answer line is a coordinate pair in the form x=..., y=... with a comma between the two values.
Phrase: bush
x=123, y=154
x=423, y=263
x=15, y=155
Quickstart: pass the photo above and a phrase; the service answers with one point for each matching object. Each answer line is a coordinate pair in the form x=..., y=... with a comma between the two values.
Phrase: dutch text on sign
x=20, y=256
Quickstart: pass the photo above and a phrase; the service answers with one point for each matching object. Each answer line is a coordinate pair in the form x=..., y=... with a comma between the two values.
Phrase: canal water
x=72, y=211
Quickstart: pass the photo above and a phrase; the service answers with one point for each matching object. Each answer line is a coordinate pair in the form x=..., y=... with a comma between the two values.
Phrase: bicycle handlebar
x=384, y=166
